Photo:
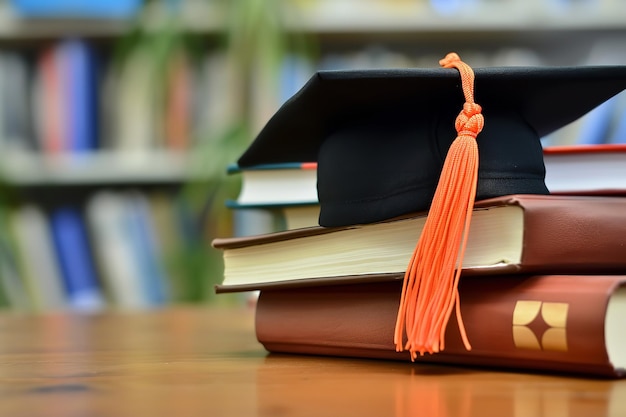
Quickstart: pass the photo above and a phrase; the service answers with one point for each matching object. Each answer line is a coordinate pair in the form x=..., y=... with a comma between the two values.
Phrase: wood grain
x=205, y=361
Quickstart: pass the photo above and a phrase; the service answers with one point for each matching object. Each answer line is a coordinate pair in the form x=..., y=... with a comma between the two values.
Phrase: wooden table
x=205, y=361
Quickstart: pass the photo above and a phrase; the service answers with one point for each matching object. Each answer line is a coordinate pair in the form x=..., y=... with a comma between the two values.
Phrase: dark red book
x=555, y=323
x=531, y=234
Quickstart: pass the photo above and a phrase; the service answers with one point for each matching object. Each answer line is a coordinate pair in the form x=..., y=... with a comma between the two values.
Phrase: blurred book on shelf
x=16, y=130
x=127, y=249
x=38, y=261
x=13, y=287
x=73, y=251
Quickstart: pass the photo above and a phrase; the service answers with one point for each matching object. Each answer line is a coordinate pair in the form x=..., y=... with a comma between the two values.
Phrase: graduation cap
x=380, y=136
x=385, y=140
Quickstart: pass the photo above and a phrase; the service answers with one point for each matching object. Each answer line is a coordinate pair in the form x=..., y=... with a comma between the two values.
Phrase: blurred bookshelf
x=105, y=137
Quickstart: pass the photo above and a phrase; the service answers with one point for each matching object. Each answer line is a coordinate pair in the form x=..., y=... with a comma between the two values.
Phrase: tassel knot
x=470, y=121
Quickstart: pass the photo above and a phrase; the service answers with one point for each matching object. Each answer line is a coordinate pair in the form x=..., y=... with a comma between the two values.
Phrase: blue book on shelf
x=77, y=266
x=115, y=9
x=80, y=96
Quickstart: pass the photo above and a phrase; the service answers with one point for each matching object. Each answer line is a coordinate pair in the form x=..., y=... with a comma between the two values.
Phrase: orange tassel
x=430, y=287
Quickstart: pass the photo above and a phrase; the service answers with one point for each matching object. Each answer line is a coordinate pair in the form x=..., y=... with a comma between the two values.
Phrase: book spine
x=145, y=249
x=80, y=95
x=74, y=254
x=550, y=323
x=40, y=267
x=48, y=96
x=114, y=251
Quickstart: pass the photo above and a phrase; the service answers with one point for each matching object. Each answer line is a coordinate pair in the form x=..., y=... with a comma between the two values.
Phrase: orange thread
x=430, y=286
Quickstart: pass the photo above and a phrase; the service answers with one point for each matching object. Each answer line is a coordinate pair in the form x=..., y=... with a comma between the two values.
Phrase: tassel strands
x=430, y=287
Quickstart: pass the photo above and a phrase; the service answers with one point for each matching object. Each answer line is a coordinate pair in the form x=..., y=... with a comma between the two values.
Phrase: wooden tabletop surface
x=205, y=361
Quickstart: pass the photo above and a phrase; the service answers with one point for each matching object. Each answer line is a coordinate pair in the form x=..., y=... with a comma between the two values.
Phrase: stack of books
x=286, y=191
x=289, y=190
x=542, y=283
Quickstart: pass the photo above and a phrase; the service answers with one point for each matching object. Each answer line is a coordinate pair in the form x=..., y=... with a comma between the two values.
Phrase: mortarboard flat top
x=380, y=136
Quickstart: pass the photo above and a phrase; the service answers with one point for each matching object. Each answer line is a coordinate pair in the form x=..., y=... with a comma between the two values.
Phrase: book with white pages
x=586, y=169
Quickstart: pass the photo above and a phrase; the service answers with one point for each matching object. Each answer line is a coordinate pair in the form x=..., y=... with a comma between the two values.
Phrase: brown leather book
x=554, y=323
x=511, y=234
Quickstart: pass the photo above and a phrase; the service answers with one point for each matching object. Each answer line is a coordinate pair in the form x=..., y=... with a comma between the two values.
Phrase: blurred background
x=120, y=118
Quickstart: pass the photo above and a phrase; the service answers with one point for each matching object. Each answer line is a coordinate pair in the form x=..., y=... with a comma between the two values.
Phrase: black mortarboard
x=380, y=136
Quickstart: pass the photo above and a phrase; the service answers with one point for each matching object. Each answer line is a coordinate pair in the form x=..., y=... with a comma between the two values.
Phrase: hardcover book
x=590, y=169
x=559, y=323
x=270, y=185
x=512, y=234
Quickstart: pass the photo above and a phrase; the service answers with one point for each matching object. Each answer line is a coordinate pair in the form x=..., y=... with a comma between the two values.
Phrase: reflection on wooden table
x=206, y=362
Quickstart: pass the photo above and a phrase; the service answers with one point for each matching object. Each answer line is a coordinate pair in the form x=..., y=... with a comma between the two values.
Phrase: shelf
x=111, y=168
x=507, y=17
x=347, y=17
x=326, y=17
x=14, y=28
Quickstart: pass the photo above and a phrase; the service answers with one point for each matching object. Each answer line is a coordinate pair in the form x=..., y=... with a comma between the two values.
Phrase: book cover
x=513, y=234
x=557, y=323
